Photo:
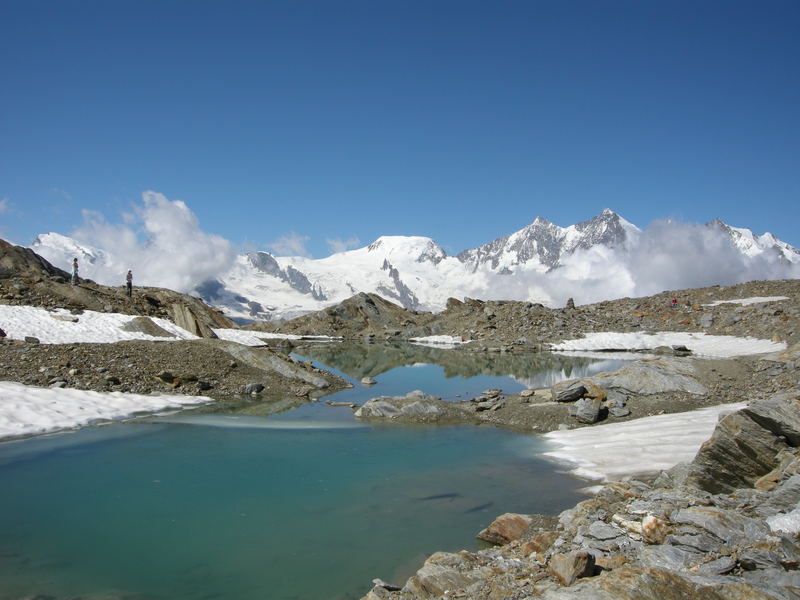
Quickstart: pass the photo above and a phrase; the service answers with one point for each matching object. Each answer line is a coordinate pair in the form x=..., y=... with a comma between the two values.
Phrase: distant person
x=74, y=271
x=129, y=283
x=674, y=303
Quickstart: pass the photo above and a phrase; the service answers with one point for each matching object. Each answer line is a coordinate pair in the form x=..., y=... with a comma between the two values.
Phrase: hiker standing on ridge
x=129, y=283
x=74, y=279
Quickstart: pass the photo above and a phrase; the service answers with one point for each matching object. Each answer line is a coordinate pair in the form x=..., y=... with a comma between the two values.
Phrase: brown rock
x=540, y=543
x=568, y=568
x=609, y=563
x=505, y=528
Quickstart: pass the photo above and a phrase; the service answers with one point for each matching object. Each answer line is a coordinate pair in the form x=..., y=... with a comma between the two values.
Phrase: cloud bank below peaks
x=666, y=255
x=161, y=241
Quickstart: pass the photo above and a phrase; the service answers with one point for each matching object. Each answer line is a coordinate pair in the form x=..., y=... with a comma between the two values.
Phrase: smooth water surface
x=309, y=504
x=178, y=511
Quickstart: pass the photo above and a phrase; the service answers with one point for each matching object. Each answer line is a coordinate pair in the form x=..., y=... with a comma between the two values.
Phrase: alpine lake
x=276, y=501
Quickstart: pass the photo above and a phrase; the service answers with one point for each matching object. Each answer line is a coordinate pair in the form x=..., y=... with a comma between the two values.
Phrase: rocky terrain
x=506, y=325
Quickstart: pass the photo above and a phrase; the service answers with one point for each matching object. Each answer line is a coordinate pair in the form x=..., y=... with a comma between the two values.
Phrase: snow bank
x=438, y=341
x=749, y=301
x=648, y=444
x=701, y=344
x=62, y=327
x=27, y=410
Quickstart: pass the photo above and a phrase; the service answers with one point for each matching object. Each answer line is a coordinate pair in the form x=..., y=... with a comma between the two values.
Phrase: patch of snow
x=61, y=327
x=648, y=444
x=701, y=344
x=788, y=522
x=749, y=301
x=27, y=410
x=446, y=342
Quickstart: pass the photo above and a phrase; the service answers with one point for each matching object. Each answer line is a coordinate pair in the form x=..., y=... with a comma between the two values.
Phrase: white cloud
x=667, y=255
x=161, y=241
x=5, y=206
x=339, y=245
x=290, y=244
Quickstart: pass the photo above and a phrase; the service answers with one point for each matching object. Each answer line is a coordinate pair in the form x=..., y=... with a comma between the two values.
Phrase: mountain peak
x=415, y=247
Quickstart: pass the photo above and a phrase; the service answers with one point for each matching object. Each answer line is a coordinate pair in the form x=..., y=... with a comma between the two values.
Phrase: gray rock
x=368, y=381
x=586, y=410
x=618, y=411
x=567, y=391
x=601, y=530
x=253, y=388
x=720, y=566
x=615, y=398
x=779, y=414
x=785, y=498
x=31, y=340
x=669, y=557
x=738, y=453
x=653, y=376
x=695, y=542
x=729, y=526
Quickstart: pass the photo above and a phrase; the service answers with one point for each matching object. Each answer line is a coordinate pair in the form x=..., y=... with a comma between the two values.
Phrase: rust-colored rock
x=505, y=528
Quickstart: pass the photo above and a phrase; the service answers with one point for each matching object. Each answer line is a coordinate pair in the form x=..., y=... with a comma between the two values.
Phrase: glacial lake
x=306, y=504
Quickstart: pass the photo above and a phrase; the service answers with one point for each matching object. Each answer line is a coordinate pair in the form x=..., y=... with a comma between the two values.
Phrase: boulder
x=505, y=528
x=441, y=575
x=414, y=407
x=568, y=391
x=652, y=376
x=147, y=326
x=740, y=451
x=586, y=410
x=779, y=414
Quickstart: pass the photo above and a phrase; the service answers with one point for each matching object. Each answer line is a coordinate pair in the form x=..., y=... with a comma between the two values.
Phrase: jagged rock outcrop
x=746, y=445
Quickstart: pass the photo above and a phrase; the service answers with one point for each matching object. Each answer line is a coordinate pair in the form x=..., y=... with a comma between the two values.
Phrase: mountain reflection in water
x=358, y=360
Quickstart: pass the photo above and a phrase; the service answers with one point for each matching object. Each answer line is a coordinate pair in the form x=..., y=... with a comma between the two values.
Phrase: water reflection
x=359, y=360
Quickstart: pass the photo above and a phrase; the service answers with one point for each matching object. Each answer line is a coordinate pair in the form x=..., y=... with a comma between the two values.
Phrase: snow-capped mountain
x=602, y=258
x=545, y=243
x=754, y=245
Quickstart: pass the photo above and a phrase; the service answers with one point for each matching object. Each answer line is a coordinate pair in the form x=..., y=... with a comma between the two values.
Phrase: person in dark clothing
x=74, y=279
x=129, y=283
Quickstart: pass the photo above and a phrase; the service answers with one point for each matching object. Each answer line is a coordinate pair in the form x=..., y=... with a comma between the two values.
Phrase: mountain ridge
x=542, y=262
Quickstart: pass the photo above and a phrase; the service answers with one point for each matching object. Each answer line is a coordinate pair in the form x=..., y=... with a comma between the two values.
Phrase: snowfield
x=27, y=410
x=648, y=444
x=61, y=327
x=701, y=344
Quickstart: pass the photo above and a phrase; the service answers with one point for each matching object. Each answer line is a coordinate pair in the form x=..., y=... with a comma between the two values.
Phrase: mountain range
x=602, y=258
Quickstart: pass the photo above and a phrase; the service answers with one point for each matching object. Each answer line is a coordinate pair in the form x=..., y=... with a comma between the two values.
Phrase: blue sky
x=343, y=120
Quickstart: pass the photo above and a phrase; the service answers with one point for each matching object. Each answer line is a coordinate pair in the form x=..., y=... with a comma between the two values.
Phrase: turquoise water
x=308, y=505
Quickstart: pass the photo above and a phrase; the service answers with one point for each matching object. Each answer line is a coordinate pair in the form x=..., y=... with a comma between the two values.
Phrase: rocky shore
x=724, y=526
